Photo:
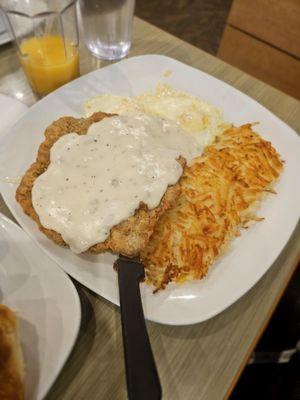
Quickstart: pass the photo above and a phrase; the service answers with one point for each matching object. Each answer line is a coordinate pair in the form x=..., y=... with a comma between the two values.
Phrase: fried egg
x=194, y=115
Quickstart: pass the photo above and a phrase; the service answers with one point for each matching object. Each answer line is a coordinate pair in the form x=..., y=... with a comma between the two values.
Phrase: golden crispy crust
x=219, y=194
x=127, y=238
x=11, y=361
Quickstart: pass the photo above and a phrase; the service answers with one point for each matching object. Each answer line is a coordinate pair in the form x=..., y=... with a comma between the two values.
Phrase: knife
x=141, y=373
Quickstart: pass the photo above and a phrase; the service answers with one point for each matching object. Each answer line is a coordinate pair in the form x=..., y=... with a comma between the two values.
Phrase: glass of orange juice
x=46, y=36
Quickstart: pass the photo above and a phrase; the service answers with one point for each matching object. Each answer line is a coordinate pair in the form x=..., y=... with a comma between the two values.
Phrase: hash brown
x=128, y=237
x=220, y=192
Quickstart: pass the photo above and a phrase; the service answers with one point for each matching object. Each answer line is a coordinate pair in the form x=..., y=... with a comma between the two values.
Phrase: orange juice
x=49, y=62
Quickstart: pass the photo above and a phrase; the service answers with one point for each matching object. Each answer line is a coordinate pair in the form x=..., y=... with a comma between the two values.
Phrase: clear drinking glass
x=107, y=27
x=46, y=36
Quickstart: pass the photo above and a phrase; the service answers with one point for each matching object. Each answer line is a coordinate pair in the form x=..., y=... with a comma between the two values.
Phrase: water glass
x=107, y=26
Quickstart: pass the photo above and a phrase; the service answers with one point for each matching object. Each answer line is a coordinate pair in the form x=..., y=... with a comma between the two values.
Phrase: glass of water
x=107, y=26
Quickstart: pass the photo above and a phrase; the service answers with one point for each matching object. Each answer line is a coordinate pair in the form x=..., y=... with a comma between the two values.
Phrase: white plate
x=249, y=257
x=46, y=302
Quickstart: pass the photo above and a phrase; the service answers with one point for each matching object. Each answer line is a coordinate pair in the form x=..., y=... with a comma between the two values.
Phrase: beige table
x=195, y=362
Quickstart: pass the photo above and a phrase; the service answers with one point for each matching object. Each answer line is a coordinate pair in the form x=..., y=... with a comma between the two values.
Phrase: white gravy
x=97, y=180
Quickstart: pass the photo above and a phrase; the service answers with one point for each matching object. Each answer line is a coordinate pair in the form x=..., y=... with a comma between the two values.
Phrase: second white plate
x=47, y=305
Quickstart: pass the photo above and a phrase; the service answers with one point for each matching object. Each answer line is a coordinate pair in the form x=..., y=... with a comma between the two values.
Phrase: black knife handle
x=141, y=373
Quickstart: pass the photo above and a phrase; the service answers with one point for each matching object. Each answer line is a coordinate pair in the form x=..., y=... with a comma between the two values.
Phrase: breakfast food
x=124, y=195
x=220, y=193
x=195, y=116
x=11, y=359
x=103, y=182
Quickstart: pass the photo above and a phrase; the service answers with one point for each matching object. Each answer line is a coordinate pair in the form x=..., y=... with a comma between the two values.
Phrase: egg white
x=194, y=115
